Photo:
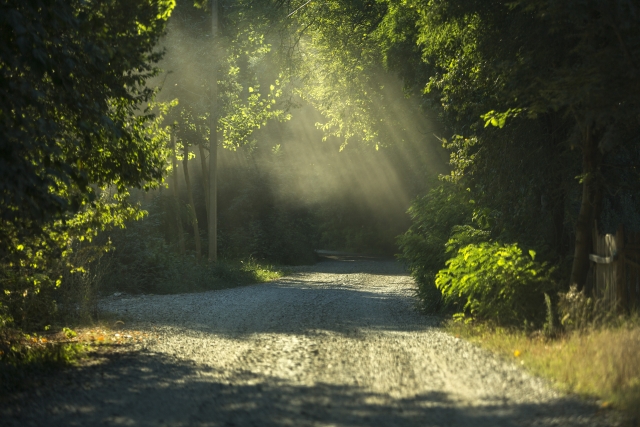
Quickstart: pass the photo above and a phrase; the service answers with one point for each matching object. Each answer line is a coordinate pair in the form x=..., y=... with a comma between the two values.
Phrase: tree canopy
x=74, y=105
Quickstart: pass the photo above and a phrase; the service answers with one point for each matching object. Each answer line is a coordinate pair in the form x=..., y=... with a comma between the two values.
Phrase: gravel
x=335, y=344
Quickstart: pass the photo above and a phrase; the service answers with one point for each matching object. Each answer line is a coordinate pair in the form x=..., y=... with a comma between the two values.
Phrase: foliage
x=495, y=282
x=79, y=129
x=579, y=312
x=262, y=217
x=142, y=260
x=73, y=84
x=345, y=225
x=52, y=274
x=423, y=246
x=31, y=280
x=244, y=60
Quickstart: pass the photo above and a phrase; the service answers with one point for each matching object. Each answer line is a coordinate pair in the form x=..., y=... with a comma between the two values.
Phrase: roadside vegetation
x=540, y=154
x=598, y=362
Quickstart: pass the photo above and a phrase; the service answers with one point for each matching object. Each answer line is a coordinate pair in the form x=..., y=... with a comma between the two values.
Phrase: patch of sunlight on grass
x=261, y=273
x=596, y=362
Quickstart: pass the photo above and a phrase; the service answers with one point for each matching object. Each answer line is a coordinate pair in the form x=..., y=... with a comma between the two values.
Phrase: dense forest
x=160, y=146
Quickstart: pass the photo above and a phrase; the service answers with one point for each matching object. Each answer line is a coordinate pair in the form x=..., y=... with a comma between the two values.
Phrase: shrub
x=496, y=282
x=423, y=246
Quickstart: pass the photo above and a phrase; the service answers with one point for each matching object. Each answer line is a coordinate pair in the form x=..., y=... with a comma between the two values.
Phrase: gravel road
x=335, y=344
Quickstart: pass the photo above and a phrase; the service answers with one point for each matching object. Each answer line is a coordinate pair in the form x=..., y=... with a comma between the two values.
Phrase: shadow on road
x=289, y=306
x=143, y=389
x=349, y=263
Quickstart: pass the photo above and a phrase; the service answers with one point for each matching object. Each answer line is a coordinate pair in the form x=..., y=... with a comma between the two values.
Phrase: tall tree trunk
x=213, y=139
x=591, y=194
x=196, y=230
x=205, y=179
x=176, y=199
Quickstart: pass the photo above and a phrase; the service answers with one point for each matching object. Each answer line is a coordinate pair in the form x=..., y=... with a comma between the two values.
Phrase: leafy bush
x=434, y=216
x=52, y=278
x=496, y=282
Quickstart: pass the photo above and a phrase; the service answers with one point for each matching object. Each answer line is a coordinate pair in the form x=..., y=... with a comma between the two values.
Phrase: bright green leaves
x=496, y=119
x=74, y=123
x=462, y=153
x=245, y=115
x=495, y=282
x=165, y=7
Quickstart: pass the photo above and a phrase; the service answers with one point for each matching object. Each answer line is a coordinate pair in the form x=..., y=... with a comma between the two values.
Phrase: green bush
x=422, y=247
x=495, y=282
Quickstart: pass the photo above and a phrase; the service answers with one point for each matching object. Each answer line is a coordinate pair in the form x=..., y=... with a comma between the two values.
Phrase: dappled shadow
x=145, y=389
x=339, y=263
x=287, y=306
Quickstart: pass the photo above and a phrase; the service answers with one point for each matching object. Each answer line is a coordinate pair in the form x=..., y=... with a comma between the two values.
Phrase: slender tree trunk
x=176, y=199
x=213, y=140
x=196, y=230
x=205, y=179
x=588, y=208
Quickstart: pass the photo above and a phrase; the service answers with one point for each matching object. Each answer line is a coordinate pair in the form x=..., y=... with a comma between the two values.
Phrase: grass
x=28, y=360
x=176, y=275
x=601, y=363
x=25, y=358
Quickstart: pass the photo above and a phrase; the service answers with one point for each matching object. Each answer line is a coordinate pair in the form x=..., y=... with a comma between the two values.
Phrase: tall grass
x=600, y=362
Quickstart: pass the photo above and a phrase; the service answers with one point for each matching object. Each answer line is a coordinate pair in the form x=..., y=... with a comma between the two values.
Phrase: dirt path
x=336, y=344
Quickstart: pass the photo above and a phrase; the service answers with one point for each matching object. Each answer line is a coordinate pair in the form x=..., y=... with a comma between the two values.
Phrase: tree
x=557, y=82
x=235, y=106
x=213, y=138
x=77, y=131
x=72, y=106
x=175, y=193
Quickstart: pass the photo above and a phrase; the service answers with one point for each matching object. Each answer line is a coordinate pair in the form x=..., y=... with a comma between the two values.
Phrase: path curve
x=335, y=344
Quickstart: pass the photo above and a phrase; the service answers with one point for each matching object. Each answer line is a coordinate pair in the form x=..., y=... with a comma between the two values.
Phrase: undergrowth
x=28, y=357
x=173, y=274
